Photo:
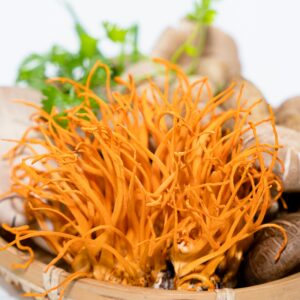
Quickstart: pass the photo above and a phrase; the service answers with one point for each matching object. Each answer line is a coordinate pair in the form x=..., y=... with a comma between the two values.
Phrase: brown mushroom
x=14, y=120
x=289, y=153
x=222, y=46
x=219, y=46
x=250, y=95
x=171, y=39
x=288, y=113
x=260, y=265
x=215, y=70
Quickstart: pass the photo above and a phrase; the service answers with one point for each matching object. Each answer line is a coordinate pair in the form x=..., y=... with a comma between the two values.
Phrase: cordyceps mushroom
x=147, y=70
x=218, y=60
x=288, y=113
x=250, y=94
x=260, y=265
x=122, y=213
x=14, y=122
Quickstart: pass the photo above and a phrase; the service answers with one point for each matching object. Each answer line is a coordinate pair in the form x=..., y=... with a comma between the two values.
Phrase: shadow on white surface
x=8, y=292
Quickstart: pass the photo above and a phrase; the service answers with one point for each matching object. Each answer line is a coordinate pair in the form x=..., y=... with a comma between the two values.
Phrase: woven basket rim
x=32, y=279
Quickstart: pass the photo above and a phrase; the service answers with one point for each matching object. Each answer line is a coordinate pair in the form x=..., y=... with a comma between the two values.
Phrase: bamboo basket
x=34, y=279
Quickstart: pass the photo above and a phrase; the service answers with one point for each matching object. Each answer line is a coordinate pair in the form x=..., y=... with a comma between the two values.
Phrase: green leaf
x=209, y=17
x=203, y=12
x=134, y=30
x=115, y=33
x=61, y=120
x=54, y=97
x=59, y=62
x=32, y=71
x=59, y=55
x=88, y=44
x=191, y=50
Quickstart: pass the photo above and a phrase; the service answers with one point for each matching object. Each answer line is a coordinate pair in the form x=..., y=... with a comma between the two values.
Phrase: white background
x=266, y=31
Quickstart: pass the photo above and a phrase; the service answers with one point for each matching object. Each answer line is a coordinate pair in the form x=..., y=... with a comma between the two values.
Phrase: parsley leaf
x=203, y=12
x=127, y=38
x=54, y=97
x=59, y=62
x=115, y=33
x=32, y=71
x=88, y=44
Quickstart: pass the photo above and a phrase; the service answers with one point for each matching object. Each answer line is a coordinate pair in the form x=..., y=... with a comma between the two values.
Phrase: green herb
x=203, y=15
x=55, y=98
x=127, y=40
x=59, y=62
x=32, y=71
x=203, y=12
x=115, y=33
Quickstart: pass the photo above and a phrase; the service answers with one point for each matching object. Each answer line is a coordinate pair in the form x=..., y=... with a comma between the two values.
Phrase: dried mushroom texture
x=218, y=60
x=219, y=49
x=288, y=113
x=15, y=119
x=172, y=38
x=149, y=71
x=249, y=94
x=215, y=69
x=288, y=153
x=143, y=70
x=221, y=45
x=260, y=264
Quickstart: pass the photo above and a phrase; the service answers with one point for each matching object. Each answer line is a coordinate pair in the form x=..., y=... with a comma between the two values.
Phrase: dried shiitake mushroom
x=250, y=94
x=289, y=153
x=288, y=113
x=14, y=120
x=260, y=264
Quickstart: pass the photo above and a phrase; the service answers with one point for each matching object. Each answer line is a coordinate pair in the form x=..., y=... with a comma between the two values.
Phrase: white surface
x=267, y=32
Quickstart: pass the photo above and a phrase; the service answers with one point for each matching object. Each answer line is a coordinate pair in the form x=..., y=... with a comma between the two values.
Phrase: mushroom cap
x=288, y=113
x=260, y=265
x=289, y=153
x=250, y=95
x=215, y=69
x=219, y=45
x=15, y=119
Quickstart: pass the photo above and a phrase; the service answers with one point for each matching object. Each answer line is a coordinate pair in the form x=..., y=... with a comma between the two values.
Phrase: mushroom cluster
x=219, y=63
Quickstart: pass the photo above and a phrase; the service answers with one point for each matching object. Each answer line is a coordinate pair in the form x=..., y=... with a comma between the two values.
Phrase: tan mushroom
x=171, y=39
x=250, y=95
x=260, y=265
x=219, y=45
x=288, y=113
x=289, y=153
x=14, y=121
x=215, y=69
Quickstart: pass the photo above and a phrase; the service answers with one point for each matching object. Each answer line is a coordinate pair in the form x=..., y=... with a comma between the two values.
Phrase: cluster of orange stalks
x=144, y=180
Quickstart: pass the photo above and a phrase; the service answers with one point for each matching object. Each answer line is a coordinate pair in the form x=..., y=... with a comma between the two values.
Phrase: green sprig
x=202, y=15
x=203, y=12
x=59, y=62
